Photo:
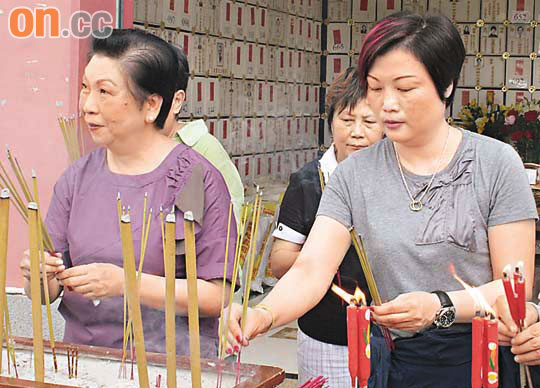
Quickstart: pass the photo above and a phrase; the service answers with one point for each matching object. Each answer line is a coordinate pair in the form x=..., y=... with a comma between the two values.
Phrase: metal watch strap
x=444, y=298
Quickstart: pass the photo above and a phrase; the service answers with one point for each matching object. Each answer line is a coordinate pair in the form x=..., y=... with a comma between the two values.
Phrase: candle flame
x=477, y=296
x=356, y=299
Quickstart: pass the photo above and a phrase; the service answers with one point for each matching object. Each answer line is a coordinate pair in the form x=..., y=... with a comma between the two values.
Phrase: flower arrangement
x=518, y=124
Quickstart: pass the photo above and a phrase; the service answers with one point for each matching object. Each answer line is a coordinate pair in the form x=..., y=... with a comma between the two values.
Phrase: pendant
x=416, y=206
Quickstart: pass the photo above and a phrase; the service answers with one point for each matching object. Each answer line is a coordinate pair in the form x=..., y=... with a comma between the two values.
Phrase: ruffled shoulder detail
x=451, y=214
x=177, y=177
x=185, y=191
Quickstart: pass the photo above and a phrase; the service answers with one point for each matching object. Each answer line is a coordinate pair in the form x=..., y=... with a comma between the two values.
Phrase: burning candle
x=358, y=336
x=353, y=341
x=485, y=343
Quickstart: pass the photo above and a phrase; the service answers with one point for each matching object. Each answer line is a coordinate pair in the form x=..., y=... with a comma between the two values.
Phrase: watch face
x=446, y=317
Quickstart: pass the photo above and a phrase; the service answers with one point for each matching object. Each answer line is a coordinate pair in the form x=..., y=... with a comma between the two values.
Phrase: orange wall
x=39, y=80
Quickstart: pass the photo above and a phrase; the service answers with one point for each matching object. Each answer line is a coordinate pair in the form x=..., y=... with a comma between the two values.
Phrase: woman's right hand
x=53, y=265
x=258, y=321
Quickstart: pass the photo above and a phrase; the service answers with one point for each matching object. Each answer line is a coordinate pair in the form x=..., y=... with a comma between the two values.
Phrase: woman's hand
x=257, y=321
x=526, y=345
x=507, y=326
x=410, y=312
x=94, y=281
x=53, y=265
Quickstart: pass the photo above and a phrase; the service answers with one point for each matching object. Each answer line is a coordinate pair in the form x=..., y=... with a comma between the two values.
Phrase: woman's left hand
x=94, y=281
x=411, y=312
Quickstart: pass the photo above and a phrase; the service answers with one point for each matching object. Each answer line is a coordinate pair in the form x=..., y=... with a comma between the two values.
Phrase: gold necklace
x=416, y=204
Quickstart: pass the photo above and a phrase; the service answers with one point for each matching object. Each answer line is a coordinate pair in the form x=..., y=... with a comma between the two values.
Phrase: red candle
x=364, y=349
x=510, y=297
x=353, y=341
x=521, y=296
x=477, y=351
x=490, y=370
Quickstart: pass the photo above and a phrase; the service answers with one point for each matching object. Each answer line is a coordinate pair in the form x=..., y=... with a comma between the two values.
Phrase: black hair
x=432, y=39
x=150, y=63
x=344, y=93
x=183, y=68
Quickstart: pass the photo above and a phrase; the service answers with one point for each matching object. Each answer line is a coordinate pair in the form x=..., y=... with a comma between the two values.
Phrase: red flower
x=517, y=135
x=528, y=134
x=531, y=115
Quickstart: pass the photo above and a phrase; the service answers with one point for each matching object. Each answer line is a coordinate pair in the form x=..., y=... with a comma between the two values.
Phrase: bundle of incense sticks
x=372, y=285
x=132, y=291
x=256, y=216
x=241, y=233
x=72, y=361
x=516, y=296
x=318, y=382
x=18, y=202
x=73, y=137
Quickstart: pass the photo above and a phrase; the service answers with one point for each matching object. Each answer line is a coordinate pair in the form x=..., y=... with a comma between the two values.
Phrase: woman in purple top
x=126, y=95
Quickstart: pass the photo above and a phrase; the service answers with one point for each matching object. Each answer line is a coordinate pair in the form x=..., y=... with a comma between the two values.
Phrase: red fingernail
x=236, y=348
x=229, y=351
x=238, y=338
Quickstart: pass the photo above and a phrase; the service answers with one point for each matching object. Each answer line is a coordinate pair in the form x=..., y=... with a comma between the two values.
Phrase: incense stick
x=4, y=228
x=133, y=298
x=239, y=239
x=372, y=285
x=170, y=297
x=21, y=208
x=36, y=292
x=9, y=343
x=193, y=303
x=257, y=206
x=223, y=295
x=250, y=259
x=221, y=331
x=44, y=275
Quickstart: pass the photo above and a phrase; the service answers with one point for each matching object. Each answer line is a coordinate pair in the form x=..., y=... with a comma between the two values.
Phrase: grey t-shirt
x=484, y=185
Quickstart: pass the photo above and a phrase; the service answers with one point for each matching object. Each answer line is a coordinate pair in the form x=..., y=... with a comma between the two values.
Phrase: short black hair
x=150, y=63
x=432, y=39
x=183, y=68
x=343, y=93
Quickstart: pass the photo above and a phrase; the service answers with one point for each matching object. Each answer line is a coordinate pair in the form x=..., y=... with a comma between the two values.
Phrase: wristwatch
x=446, y=315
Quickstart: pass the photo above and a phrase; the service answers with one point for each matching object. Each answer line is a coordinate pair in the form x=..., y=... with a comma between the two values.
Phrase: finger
x=504, y=340
x=74, y=281
x=85, y=290
x=504, y=331
x=393, y=319
x=79, y=270
x=52, y=269
x=526, y=335
x=392, y=307
x=529, y=346
x=529, y=358
x=234, y=325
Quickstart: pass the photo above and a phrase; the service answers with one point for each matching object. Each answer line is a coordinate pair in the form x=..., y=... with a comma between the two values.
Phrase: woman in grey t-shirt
x=427, y=196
